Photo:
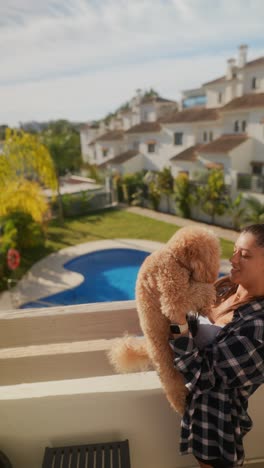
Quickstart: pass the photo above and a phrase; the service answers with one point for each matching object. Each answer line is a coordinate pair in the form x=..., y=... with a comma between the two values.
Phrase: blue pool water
x=109, y=275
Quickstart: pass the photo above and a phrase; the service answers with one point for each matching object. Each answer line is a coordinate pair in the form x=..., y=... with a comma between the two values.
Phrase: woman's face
x=247, y=262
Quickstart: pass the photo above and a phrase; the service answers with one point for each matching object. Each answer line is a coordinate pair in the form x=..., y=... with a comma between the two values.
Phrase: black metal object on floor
x=104, y=455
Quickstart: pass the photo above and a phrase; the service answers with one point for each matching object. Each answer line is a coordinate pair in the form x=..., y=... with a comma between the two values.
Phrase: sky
x=81, y=59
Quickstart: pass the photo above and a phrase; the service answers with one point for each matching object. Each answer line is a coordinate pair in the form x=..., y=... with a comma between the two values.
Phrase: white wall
x=148, y=112
x=241, y=156
x=200, y=127
x=255, y=127
x=212, y=95
x=229, y=119
x=135, y=164
x=188, y=166
x=114, y=148
x=86, y=136
x=257, y=72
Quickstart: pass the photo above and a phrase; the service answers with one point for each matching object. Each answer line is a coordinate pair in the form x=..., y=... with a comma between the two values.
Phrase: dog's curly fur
x=174, y=280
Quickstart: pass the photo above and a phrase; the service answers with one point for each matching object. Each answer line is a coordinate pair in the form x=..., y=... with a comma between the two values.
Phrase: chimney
x=242, y=55
x=229, y=71
x=139, y=95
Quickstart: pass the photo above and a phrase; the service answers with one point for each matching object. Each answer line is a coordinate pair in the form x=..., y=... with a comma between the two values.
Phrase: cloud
x=82, y=56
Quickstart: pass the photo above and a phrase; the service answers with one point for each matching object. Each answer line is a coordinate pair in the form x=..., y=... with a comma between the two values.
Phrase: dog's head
x=199, y=250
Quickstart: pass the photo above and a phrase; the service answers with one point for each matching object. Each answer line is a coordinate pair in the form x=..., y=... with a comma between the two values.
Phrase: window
x=178, y=138
x=105, y=152
x=256, y=169
x=244, y=126
x=254, y=83
x=220, y=98
x=236, y=126
x=204, y=136
x=151, y=147
x=211, y=136
x=136, y=145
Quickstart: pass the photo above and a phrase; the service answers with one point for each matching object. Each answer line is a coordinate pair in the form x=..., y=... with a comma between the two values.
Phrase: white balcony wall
x=64, y=391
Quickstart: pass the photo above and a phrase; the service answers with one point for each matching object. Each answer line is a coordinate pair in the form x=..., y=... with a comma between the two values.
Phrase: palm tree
x=165, y=184
x=183, y=195
x=256, y=211
x=211, y=196
x=236, y=208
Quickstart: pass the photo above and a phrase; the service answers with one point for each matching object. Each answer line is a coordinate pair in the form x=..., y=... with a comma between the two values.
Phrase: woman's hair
x=224, y=287
x=257, y=230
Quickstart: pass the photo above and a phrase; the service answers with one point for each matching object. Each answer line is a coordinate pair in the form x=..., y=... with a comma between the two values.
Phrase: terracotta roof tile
x=212, y=165
x=246, y=101
x=191, y=115
x=221, y=79
x=145, y=127
x=224, y=143
x=110, y=136
x=120, y=158
x=189, y=154
x=256, y=62
x=147, y=99
x=252, y=63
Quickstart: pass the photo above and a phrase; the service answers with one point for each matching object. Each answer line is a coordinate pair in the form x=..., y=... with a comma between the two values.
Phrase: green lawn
x=106, y=224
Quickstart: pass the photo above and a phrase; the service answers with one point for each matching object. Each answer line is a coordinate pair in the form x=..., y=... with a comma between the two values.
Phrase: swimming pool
x=109, y=275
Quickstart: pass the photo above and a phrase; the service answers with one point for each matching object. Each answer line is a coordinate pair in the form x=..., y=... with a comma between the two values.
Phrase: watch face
x=175, y=328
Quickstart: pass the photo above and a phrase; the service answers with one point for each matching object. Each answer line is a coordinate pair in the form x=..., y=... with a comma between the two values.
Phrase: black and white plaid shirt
x=220, y=378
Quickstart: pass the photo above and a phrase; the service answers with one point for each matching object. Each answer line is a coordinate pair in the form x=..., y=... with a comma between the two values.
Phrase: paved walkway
x=227, y=234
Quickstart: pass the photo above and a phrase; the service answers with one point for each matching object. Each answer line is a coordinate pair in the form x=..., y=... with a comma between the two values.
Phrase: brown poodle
x=174, y=280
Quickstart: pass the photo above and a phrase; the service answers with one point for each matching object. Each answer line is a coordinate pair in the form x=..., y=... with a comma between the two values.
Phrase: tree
x=63, y=142
x=183, y=195
x=154, y=195
x=256, y=210
x=165, y=184
x=211, y=196
x=236, y=209
x=25, y=167
x=3, y=131
x=25, y=196
x=151, y=93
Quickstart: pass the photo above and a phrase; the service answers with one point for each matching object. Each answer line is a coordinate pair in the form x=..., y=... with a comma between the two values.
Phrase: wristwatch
x=177, y=329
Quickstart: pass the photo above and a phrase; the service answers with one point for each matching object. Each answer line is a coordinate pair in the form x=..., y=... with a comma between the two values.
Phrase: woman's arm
x=235, y=361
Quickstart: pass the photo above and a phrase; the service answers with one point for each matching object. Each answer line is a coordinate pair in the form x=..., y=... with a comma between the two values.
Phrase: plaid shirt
x=220, y=378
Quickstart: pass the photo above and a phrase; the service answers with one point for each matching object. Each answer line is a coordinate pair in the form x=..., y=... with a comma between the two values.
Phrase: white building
x=221, y=124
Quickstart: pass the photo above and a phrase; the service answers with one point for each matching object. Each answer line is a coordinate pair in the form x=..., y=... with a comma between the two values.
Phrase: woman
x=221, y=375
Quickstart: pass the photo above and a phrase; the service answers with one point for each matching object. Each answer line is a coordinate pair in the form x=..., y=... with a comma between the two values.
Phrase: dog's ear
x=199, y=249
x=204, y=258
